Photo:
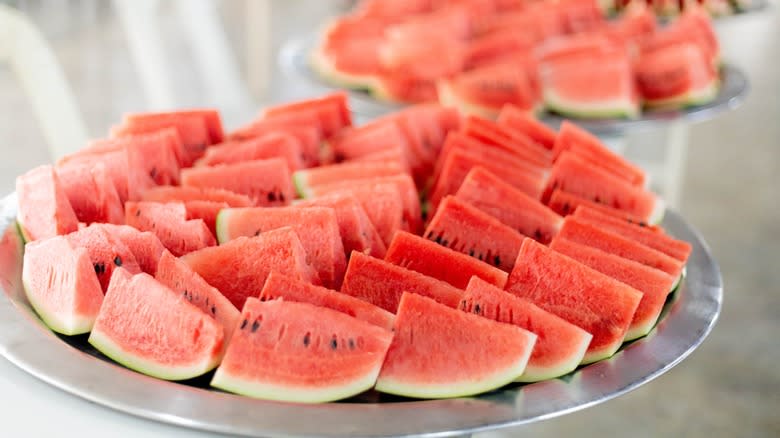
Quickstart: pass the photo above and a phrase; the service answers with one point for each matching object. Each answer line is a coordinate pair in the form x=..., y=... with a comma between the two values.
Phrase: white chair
x=39, y=73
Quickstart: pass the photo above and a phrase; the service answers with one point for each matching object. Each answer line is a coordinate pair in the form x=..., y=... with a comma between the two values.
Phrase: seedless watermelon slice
x=187, y=343
x=440, y=352
x=298, y=352
x=43, y=206
x=560, y=345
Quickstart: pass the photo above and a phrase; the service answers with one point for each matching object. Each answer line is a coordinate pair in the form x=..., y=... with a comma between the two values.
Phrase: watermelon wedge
x=304, y=127
x=517, y=120
x=298, y=352
x=145, y=246
x=600, y=305
x=440, y=352
x=240, y=267
x=306, y=180
x=316, y=227
x=43, y=207
x=192, y=344
x=127, y=168
x=332, y=112
x=676, y=76
x=170, y=224
x=192, y=129
x=265, y=182
x=429, y=258
x=273, y=145
x=290, y=289
x=102, y=204
x=560, y=345
x=493, y=134
x=61, y=285
x=382, y=283
x=371, y=138
x=106, y=252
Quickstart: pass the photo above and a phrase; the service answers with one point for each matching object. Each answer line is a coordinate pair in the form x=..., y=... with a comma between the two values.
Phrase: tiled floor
x=729, y=388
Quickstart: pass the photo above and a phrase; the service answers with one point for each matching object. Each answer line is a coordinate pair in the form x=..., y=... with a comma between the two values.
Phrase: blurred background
x=126, y=56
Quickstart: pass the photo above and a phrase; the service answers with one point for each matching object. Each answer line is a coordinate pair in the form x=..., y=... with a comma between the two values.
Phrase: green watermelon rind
x=573, y=110
x=322, y=66
x=688, y=99
x=561, y=369
x=269, y=391
x=111, y=349
x=453, y=389
x=447, y=98
x=300, y=184
x=20, y=228
x=220, y=226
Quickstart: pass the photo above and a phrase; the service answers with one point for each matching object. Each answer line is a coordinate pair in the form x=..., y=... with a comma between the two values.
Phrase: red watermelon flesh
x=265, y=182
x=412, y=219
x=191, y=346
x=126, y=167
x=273, y=145
x=61, y=285
x=309, y=136
x=581, y=15
x=332, y=111
x=588, y=147
x=106, y=252
x=145, y=246
x=595, y=236
x=192, y=130
x=652, y=237
x=91, y=192
x=382, y=283
x=440, y=352
x=514, y=208
x=307, y=179
x=240, y=267
x=169, y=223
x=560, y=345
x=601, y=213
x=291, y=289
x=159, y=150
x=576, y=175
x=298, y=352
x=462, y=227
x=43, y=207
x=185, y=194
x=390, y=155
x=356, y=229
x=523, y=122
x=460, y=162
x=601, y=305
x=206, y=211
x=399, y=87
x=316, y=227
x=655, y=285
x=429, y=258
x=371, y=138
x=212, y=119
x=486, y=49
x=177, y=276
x=676, y=75
x=491, y=133
x=685, y=30
x=383, y=206
x=565, y=203
x=441, y=55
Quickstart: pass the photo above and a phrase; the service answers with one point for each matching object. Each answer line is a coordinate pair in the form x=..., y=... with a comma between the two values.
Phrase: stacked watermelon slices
x=563, y=56
x=424, y=254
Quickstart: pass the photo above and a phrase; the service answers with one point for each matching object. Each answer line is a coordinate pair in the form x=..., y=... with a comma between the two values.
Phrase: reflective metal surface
x=69, y=364
x=293, y=60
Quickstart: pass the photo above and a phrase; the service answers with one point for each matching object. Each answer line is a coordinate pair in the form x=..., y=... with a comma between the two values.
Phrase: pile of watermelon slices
x=425, y=254
x=561, y=56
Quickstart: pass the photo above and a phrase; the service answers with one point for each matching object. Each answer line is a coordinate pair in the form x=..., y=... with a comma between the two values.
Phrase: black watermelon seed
x=255, y=326
x=596, y=198
x=153, y=172
x=213, y=310
x=118, y=261
x=271, y=196
x=257, y=233
x=471, y=252
x=566, y=208
x=538, y=234
x=306, y=340
x=497, y=260
x=334, y=344
x=351, y=344
x=642, y=224
x=429, y=234
x=477, y=309
x=243, y=324
x=444, y=242
x=481, y=257
x=138, y=212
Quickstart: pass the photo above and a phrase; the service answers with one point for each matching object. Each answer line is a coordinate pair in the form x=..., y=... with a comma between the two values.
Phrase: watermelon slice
x=192, y=130
x=462, y=227
x=145, y=246
x=601, y=305
x=106, y=252
x=290, y=289
x=206, y=211
x=527, y=215
x=304, y=127
x=489, y=49
x=493, y=134
x=652, y=237
x=61, y=285
x=382, y=283
x=565, y=203
x=185, y=194
x=588, y=147
x=178, y=277
x=517, y=120
x=273, y=145
x=560, y=345
x=298, y=352
x=576, y=175
x=332, y=112
x=440, y=352
x=655, y=285
x=240, y=267
x=169, y=223
x=374, y=137
x=676, y=76
x=43, y=207
x=356, y=229
x=265, y=182
x=126, y=167
x=429, y=258
x=393, y=155
x=192, y=344
x=103, y=204
x=306, y=180
x=315, y=226
x=595, y=236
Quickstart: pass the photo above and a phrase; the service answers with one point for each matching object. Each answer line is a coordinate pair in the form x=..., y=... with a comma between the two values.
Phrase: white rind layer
x=323, y=66
x=459, y=388
x=67, y=324
x=537, y=374
x=271, y=391
x=107, y=346
x=659, y=210
x=603, y=109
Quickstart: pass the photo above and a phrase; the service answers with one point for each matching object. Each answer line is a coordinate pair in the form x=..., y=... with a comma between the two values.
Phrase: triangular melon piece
x=106, y=252
x=266, y=182
x=43, y=207
x=170, y=224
